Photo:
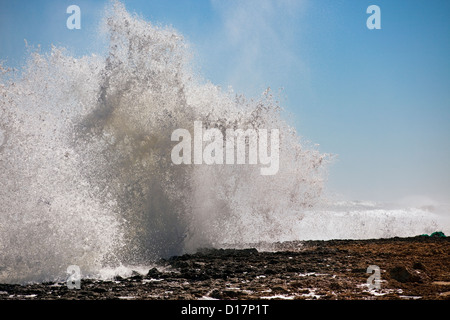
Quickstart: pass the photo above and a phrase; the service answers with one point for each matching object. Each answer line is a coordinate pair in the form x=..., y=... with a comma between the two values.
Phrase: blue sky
x=379, y=99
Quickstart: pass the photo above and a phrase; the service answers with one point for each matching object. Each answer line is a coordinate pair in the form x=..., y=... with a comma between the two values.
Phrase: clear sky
x=379, y=99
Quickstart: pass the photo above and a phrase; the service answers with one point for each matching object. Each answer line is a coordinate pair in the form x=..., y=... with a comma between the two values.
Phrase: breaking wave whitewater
x=86, y=176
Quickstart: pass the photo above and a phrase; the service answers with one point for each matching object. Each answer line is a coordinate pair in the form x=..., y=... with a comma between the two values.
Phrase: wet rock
x=280, y=290
x=227, y=294
x=178, y=263
x=194, y=275
x=154, y=274
x=99, y=290
x=136, y=276
x=419, y=266
x=215, y=294
x=269, y=271
x=335, y=286
x=227, y=252
x=401, y=274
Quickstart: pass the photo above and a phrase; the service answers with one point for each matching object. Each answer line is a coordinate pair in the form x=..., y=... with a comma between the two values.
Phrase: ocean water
x=86, y=176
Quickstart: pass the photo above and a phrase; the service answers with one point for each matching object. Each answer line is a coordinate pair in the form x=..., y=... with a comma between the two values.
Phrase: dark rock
x=154, y=273
x=281, y=290
x=232, y=294
x=419, y=266
x=136, y=275
x=227, y=252
x=293, y=269
x=215, y=294
x=99, y=290
x=335, y=286
x=269, y=271
x=179, y=264
x=194, y=275
x=401, y=274
x=227, y=294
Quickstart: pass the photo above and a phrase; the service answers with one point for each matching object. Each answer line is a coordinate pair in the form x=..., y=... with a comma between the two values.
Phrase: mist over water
x=86, y=172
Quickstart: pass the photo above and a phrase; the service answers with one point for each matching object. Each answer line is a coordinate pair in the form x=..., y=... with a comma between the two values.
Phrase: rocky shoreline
x=410, y=268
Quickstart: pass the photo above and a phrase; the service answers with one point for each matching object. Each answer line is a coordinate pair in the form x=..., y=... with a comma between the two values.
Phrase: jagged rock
x=136, y=275
x=404, y=274
x=153, y=274
x=401, y=274
x=419, y=266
